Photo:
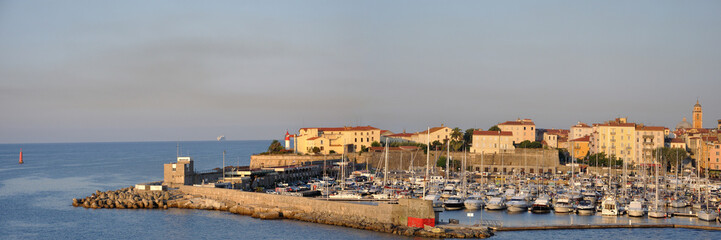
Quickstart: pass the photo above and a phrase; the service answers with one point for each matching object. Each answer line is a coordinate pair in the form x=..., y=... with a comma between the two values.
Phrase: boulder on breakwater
x=126, y=198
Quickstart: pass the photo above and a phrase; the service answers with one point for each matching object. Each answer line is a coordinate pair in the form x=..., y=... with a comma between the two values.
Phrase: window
x=321, y=142
x=367, y=139
x=356, y=139
x=361, y=139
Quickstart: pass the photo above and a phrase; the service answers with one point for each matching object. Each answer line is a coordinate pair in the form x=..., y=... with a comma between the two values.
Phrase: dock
x=604, y=226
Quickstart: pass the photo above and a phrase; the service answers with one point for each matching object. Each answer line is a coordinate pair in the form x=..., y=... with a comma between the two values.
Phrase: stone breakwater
x=129, y=198
x=125, y=198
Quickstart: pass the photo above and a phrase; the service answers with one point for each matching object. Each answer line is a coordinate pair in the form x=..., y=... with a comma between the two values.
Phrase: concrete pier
x=604, y=226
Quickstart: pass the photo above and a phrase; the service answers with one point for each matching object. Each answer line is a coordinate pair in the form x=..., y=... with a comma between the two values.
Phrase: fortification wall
x=382, y=213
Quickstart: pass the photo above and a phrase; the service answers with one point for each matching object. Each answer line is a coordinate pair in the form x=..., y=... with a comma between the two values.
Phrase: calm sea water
x=35, y=199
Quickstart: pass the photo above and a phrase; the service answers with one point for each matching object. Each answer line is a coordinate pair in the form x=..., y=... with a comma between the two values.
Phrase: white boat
x=707, y=215
x=636, y=208
x=453, y=203
x=564, y=205
x=496, y=203
x=586, y=207
x=345, y=195
x=517, y=204
x=541, y=205
x=436, y=202
x=610, y=207
x=474, y=202
x=679, y=203
x=656, y=213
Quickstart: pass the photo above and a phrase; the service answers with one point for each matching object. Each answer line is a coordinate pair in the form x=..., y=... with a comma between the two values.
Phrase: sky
x=111, y=71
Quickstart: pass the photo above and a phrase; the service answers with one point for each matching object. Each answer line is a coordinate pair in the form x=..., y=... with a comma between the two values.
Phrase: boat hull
x=517, y=208
x=495, y=206
x=636, y=213
x=540, y=209
x=707, y=216
x=562, y=209
x=656, y=214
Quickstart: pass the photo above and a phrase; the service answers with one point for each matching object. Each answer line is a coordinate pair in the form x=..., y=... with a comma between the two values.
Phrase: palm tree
x=456, y=134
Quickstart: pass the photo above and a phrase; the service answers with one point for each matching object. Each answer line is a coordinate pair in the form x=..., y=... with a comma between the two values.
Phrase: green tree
x=441, y=162
x=375, y=144
x=275, y=147
x=671, y=157
x=468, y=135
x=456, y=145
x=315, y=150
x=436, y=145
x=494, y=128
x=456, y=134
x=529, y=144
x=331, y=152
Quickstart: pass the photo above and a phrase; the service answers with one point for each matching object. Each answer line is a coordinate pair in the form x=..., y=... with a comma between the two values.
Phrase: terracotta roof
x=586, y=138
x=493, y=133
x=581, y=125
x=517, y=122
x=561, y=132
x=313, y=138
x=614, y=124
x=649, y=128
x=677, y=140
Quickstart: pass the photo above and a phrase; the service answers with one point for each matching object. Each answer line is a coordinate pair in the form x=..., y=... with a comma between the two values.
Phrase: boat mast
x=448, y=159
x=385, y=169
x=428, y=159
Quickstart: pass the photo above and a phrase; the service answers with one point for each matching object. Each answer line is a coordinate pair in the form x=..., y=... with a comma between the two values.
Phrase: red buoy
x=21, y=156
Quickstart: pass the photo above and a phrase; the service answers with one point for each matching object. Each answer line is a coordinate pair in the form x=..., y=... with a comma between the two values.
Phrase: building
x=580, y=147
x=439, y=134
x=580, y=130
x=492, y=142
x=617, y=138
x=677, y=143
x=555, y=138
x=715, y=157
x=697, y=116
x=647, y=138
x=522, y=130
x=179, y=173
x=334, y=139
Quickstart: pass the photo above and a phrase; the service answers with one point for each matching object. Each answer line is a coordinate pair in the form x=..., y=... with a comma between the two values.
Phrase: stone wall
x=401, y=160
x=382, y=213
x=260, y=161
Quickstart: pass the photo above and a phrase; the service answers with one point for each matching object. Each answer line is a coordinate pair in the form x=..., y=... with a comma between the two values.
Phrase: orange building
x=580, y=146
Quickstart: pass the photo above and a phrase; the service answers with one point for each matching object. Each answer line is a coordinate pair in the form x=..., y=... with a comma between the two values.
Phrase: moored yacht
x=541, y=205
x=496, y=203
x=610, y=207
x=453, y=203
x=517, y=204
x=636, y=208
x=437, y=203
x=586, y=207
x=474, y=202
x=564, y=205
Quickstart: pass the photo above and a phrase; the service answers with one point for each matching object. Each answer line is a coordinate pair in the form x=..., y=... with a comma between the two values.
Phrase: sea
x=36, y=197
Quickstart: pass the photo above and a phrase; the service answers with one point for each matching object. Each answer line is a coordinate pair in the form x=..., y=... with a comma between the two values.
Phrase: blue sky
x=78, y=71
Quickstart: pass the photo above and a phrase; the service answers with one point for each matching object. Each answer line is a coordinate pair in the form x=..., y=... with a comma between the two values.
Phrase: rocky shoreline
x=130, y=198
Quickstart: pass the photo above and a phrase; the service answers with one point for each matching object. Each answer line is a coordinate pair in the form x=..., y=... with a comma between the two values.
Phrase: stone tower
x=697, y=116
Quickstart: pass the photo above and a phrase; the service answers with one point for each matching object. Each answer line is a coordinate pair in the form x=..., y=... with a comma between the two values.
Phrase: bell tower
x=697, y=116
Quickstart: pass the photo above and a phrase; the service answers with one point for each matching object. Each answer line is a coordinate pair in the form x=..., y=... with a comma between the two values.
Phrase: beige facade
x=492, y=142
x=648, y=138
x=714, y=157
x=436, y=134
x=617, y=138
x=580, y=130
x=555, y=138
x=522, y=130
x=333, y=139
x=677, y=143
x=179, y=173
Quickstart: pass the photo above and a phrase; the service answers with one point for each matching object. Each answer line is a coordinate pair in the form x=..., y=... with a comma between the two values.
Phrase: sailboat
x=707, y=214
x=21, y=156
x=656, y=211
